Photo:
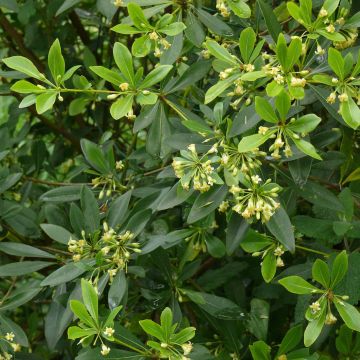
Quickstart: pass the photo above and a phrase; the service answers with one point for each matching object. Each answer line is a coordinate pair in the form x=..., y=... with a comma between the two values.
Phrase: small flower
x=76, y=257
x=10, y=336
x=119, y=165
x=278, y=251
x=153, y=35
x=263, y=130
x=323, y=13
x=315, y=307
x=16, y=347
x=192, y=148
x=124, y=86
x=334, y=80
x=330, y=28
x=297, y=82
x=118, y=3
x=109, y=331
x=343, y=97
x=331, y=98
x=256, y=179
x=279, y=79
x=104, y=350
x=330, y=319
x=279, y=262
x=223, y=206
x=249, y=67
x=187, y=348
x=319, y=50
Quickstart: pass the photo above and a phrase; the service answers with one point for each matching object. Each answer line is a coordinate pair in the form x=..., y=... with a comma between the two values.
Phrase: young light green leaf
x=90, y=298
x=56, y=61
x=23, y=65
x=123, y=60
x=297, y=285
x=321, y=273
x=265, y=110
x=339, y=268
x=247, y=42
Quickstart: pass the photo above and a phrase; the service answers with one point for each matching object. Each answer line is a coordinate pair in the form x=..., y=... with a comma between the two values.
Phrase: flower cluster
x=257, y=201
x=161, y=43
x=222, y=8
x=195, y=169
x=114, y=249
x=108, y=183
x=15, y=347
x=236, y=162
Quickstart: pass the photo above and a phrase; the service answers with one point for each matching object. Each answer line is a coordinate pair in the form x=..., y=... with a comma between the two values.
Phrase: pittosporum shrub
x=180, y=179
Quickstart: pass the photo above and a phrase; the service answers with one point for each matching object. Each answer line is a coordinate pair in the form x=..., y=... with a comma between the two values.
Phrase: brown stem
x=51, y=183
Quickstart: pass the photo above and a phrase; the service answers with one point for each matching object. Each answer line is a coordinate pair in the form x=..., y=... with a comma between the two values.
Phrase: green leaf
x=215, y=246
x=155, y=76
x=79, y=309
x=90, y=298
x=125, y=29
x=321, y=273
x=57, y=233
x=220, y=53
x=90, y=208
x=166, y=320
x=349, y=314
x=255, y=241
x=56, y=62
x=313, y=329
x=293, y=53
x=26, y=87
x=45, y=101
x=235, y=233
x=94, y=156
x=240, y=8
x=336, y=62
x=350, y=113
x=109, y=75
x=173, y=29
x=121, y=106
x=220, y=87
x=305, y=123
x=214, y=23
x=18, y=249
x=307, y=148
x=118, y=210
x=75, y=332
x=297, y=285
x=268, y=266
x=282, y=104
x=265, y=110
x=23, y=65
x=118, y=289
x=123, y=60
x=249, y=143
x=23, y=267
x=339, y=268
x=206, y=203
x=141, y=46
x=137, y=16
x=260, y=350
x=153, y=329
x=290, y=340
x=62, y=275
x=271, y=21
x=280, y=226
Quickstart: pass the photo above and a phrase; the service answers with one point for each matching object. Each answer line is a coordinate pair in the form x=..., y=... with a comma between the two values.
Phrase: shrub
x=180, y=179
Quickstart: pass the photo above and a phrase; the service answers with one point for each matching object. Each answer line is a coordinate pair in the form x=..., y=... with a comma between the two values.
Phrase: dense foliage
x=180, y=179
